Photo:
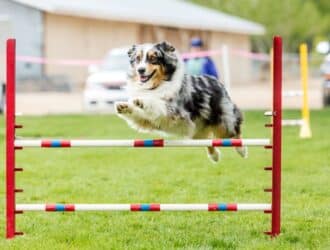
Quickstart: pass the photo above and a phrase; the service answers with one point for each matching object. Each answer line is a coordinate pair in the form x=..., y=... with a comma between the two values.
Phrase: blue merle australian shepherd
x=165, y=99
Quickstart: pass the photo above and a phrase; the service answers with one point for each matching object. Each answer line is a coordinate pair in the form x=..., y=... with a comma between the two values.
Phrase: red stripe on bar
x=135, y=207
x=50, y=207
x=46, y=143
x=69, y=207
x=216, y=142
x=139, y=143
x=236, y=142
x=231, y=207
x=65, y=144
x=158, y=143
x=154, y=207
x=213, y=207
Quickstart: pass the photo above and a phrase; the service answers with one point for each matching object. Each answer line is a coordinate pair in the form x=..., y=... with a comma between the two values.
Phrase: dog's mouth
x=144, y=78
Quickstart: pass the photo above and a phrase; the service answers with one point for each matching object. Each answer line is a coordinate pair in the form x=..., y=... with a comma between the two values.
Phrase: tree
x=296, y=21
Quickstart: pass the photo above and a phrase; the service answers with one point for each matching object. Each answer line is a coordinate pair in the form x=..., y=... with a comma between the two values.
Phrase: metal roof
x=171, y=13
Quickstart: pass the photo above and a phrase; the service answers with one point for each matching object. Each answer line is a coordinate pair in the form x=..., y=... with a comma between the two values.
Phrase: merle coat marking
x=166, y=100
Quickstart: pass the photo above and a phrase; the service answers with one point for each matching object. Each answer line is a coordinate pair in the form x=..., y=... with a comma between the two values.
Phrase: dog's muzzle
x=144, y=78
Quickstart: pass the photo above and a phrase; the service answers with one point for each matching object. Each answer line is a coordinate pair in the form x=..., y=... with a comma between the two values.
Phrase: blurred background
x=71, y=55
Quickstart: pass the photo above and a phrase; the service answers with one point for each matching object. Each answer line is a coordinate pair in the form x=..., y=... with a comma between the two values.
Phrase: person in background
x=200, y=65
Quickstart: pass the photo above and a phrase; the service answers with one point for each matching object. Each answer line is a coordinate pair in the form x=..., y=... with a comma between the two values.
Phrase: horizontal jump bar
x=292, y=122
x=143, y=207
x=143, y=143
x=292, y=93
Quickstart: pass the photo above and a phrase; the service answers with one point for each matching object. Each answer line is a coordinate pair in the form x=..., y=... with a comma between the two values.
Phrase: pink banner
x=251, y=55
x=71, y=62
x=186, y=55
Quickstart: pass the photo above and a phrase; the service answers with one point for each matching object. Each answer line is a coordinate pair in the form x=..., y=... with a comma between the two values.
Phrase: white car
x=106, y=82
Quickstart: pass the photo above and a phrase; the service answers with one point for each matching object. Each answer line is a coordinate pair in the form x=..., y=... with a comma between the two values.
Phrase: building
x=85, y=29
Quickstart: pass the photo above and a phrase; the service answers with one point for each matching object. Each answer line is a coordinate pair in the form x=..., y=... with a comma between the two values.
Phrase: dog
x=165, y=99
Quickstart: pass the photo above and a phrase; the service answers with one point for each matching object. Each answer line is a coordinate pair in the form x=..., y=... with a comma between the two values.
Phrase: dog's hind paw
x=243, y=151
x=214, y=156
x=123, y=108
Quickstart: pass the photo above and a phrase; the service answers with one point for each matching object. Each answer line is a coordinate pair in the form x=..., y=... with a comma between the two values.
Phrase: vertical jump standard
x=13, y=144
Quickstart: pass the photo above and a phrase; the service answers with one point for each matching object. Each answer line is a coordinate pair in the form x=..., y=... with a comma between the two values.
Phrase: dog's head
x=152, y=64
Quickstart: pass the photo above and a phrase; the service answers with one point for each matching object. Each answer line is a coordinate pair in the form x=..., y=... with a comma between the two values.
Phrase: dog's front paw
x=123, y=108
x=138, y=103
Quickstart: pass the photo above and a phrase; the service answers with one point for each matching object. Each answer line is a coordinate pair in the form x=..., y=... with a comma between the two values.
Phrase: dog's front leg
x=151, y=109
x=138, y=114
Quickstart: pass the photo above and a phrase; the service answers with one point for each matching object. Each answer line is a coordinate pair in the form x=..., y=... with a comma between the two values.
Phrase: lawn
x=168, y=175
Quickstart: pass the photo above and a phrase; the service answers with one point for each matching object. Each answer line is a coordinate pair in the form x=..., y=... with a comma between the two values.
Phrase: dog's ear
x=170, y=58
x=131, y=51
x=165, y=47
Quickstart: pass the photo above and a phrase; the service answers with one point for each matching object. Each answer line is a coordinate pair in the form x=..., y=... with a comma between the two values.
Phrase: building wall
x=5, y=32
x=81, y=38
x=180, y=38
x=69, y=37
x=239, y=67
x=26, y=25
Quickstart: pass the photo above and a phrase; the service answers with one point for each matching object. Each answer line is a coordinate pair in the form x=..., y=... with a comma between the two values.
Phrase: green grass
x=100, y=175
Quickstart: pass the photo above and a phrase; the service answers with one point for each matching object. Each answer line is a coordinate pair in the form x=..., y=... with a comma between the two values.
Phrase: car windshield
x=116, y=62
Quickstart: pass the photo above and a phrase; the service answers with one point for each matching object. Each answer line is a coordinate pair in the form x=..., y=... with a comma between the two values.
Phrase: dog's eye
x=138, y=59
x=153, y=59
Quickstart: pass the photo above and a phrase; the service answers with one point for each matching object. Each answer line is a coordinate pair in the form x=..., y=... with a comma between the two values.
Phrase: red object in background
x=10, y=137
x=277, y=136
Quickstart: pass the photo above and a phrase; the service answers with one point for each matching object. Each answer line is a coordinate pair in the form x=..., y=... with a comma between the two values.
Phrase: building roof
x=171, y=13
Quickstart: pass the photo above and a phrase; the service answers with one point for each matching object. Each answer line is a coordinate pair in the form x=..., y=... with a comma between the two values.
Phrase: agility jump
x=13, y=144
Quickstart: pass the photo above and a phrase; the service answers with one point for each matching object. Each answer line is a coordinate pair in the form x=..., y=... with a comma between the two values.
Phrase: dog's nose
x=141, y=70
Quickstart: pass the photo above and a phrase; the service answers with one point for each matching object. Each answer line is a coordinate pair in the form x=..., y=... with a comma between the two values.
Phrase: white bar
x=252, y=207
x=184, y=207
x=268, y=113
x=30, y=207
x=103, y=207
x=127, y=207
x=292, y=93
x=102, y=143
x=27, y=143
x=130, y=143
x=256, y=142
x=292, y=122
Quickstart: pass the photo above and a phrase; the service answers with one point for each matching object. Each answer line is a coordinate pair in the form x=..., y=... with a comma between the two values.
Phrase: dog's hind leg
x=212, y=152
x=242, y=151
